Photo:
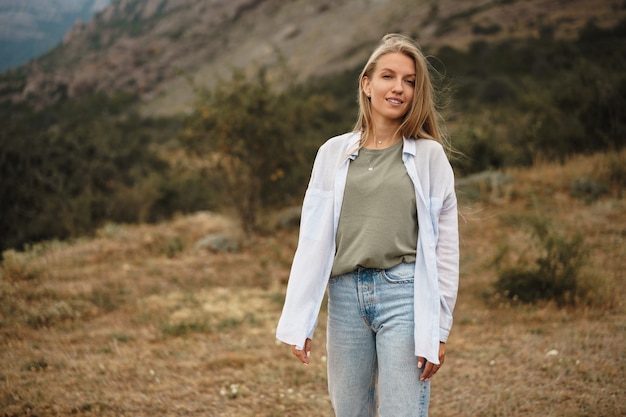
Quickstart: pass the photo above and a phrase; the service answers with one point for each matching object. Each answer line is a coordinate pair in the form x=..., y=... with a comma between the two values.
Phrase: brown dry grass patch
x=138, y=322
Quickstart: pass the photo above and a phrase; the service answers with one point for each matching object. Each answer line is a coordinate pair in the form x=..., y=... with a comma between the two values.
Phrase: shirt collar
x=353, y=145
x=407, y=147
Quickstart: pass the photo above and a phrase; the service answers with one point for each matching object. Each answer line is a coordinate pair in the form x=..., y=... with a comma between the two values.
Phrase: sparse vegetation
x=16, y=266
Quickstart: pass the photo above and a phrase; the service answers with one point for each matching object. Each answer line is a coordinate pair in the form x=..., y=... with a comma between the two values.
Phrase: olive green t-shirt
x=378, y=220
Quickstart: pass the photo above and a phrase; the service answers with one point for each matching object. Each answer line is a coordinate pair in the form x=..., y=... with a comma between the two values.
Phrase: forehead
x=396, y=61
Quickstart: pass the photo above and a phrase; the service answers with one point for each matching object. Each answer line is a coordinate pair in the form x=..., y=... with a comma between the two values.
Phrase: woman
x=379, y=227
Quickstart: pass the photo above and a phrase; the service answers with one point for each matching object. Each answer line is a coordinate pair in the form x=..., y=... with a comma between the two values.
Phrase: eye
x=411, y=82
x=386, y=76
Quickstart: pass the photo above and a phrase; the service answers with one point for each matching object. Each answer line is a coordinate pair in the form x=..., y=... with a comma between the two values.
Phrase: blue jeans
x=371, y=360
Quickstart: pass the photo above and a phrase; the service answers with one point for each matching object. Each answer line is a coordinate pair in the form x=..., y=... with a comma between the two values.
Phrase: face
x=391, y=87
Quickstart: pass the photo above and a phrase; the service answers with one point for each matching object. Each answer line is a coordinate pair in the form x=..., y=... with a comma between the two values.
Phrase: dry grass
x=137, y=322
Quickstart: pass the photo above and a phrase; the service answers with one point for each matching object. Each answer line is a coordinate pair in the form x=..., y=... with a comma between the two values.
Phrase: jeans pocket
x=403, y=273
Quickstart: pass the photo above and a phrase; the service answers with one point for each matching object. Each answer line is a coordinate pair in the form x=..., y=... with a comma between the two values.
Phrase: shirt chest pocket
x=317, y=213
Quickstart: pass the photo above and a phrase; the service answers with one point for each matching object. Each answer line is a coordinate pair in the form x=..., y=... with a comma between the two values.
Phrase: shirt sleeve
x=447, y=248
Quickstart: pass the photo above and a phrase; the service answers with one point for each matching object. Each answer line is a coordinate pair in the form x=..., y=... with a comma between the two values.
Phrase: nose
x=398, y=86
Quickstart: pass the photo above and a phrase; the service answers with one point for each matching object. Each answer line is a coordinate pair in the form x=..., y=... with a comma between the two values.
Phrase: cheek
x=409, y=100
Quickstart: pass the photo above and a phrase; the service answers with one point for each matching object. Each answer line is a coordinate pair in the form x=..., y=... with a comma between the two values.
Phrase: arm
x=444, y=218
x=448, y=254
x=313, y=258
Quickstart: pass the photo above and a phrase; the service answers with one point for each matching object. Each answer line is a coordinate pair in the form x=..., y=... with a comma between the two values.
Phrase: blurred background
x=131, y=111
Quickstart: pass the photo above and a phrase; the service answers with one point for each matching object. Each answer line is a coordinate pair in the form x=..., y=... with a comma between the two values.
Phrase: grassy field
x=138, y=321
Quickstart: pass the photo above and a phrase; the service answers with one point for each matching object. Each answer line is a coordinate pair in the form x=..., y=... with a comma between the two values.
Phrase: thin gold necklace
x=369, y=162
x=368, y=156
x=391, y=141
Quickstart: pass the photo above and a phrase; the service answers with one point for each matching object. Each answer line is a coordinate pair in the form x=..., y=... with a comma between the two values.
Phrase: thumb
x=420, y=362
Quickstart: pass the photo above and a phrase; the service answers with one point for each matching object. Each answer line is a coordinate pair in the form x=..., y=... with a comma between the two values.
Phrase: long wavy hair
x=421, y=121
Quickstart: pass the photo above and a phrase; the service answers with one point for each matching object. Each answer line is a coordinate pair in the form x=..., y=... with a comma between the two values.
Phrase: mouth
x=395, y=101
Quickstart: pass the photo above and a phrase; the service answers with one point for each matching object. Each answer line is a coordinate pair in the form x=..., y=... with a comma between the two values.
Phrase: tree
x=254, y=137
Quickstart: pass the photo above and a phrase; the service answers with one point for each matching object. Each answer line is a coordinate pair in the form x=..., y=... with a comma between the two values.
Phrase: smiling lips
x=395, y=101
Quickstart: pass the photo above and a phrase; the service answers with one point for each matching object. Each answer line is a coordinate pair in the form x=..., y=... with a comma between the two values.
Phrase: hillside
x=152, y=47
x=140, y=321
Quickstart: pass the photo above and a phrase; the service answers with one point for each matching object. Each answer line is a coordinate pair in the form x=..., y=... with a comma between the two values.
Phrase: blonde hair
x=421, y=121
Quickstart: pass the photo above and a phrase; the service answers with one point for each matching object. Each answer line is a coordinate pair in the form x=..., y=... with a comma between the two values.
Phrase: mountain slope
x=152, y=47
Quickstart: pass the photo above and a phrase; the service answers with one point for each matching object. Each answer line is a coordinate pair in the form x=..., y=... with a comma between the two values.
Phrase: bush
x=254, y=137
x=587, y=189
x=549, y=269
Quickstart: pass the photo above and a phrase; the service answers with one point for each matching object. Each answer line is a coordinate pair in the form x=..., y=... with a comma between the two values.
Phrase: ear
x=365, y=86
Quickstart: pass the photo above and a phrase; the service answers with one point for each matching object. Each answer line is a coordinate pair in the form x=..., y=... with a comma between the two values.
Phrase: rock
x=288, y=218
x=490, y=184
x=218, y=243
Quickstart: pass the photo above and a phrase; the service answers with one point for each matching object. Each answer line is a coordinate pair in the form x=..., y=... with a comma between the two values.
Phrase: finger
x=301, y=355
x=429, y=371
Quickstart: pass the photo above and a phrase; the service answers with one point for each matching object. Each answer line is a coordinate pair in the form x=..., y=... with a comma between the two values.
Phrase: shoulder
x=339, y=147
x=428, y=145
x=430, y=149
x=329, y=157
x=341, y=142
x=431, y=155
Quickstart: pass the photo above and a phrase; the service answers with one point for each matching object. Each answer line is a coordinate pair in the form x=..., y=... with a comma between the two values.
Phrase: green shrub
x=35, y=365
x=587, y=189
x=549, y=269
x=255, y=138
x=173, y=247
x=185, y=328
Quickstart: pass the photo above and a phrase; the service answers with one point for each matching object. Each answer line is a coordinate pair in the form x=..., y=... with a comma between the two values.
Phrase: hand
x=431, y=369
x=303, y=354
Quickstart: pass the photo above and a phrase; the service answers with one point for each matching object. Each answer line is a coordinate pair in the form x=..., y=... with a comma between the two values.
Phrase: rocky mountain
x=29, y=28
x=154, y=47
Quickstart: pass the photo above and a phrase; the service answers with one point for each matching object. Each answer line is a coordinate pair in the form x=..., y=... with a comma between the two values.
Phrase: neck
x=381, y=138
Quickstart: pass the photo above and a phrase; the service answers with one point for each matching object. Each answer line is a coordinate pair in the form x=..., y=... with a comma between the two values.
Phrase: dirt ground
x=137, y=321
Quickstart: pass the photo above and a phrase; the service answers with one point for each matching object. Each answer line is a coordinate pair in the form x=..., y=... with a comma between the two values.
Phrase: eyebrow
x=394, y=71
